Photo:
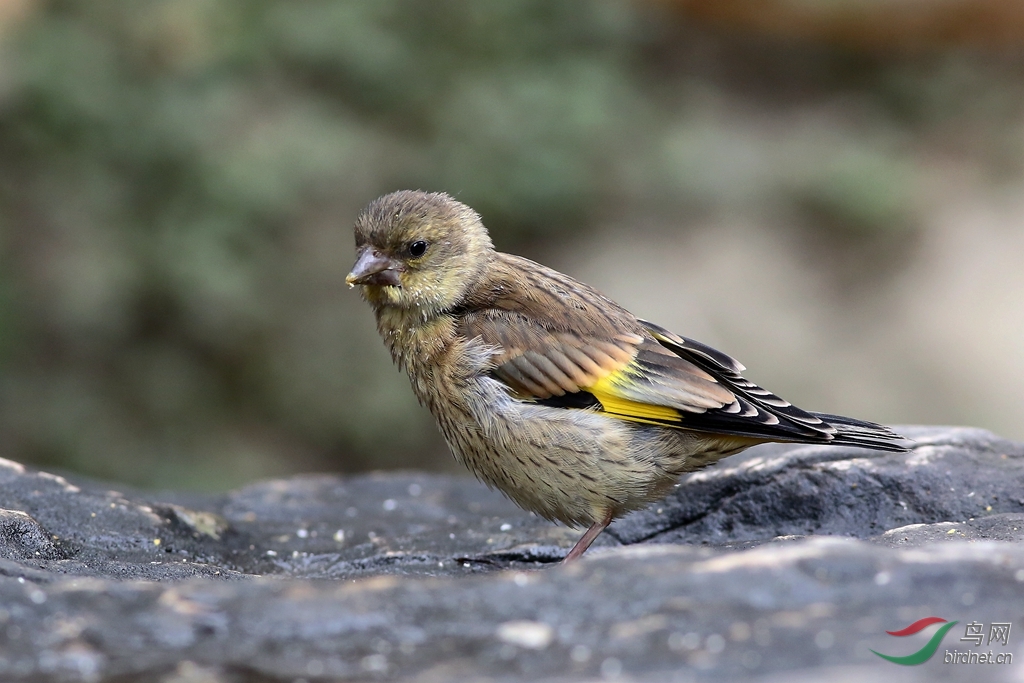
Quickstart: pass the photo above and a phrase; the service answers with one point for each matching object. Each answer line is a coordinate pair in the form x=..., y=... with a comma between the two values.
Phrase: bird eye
x=417, y=248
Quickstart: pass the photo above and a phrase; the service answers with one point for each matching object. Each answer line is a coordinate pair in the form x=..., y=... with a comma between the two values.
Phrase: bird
x=547, y=390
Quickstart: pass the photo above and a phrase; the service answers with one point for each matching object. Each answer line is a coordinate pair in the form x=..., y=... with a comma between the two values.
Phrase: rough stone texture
x=784, y=563
x=952, y=474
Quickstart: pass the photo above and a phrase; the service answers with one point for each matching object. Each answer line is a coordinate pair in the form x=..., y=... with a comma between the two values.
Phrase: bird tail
x=851, y=432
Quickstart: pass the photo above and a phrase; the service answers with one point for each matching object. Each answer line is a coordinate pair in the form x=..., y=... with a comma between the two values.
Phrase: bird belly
x=574, y=466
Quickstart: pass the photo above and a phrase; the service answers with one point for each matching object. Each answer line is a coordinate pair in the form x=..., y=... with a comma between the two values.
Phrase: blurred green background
x=830, y=190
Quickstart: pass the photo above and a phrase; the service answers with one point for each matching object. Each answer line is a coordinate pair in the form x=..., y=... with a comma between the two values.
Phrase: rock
x=1000, y=527
x=780, y=490
x=646, y=612
x=784, y=561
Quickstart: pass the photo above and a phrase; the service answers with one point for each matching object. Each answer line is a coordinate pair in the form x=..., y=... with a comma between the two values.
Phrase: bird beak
x=374, y=268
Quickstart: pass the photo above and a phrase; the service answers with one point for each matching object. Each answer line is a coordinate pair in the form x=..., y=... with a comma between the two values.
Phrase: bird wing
x=754, y=411
x=560, y=343
x=653, y=378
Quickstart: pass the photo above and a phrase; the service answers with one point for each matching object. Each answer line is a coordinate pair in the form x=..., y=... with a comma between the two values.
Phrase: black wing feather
x=759, y=413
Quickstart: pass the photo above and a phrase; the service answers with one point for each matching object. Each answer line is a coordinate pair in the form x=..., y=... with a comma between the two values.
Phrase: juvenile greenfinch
x=547, y=390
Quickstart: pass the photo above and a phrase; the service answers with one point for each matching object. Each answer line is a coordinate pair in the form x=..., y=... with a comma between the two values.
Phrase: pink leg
x=592, y=533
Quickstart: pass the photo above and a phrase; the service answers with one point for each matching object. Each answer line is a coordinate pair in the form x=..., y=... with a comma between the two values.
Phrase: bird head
x=418, y=250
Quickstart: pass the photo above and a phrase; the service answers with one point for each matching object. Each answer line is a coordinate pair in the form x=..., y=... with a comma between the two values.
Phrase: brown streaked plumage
x=550, y=392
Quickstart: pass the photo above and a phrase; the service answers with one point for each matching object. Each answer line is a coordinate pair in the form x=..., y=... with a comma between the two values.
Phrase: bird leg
x=592, y=533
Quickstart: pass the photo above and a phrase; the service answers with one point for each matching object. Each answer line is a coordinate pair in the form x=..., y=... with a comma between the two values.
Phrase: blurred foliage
x=178, y=179
x=165, y=166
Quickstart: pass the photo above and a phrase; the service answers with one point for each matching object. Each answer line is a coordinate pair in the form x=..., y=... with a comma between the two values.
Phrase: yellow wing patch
x=605, y=391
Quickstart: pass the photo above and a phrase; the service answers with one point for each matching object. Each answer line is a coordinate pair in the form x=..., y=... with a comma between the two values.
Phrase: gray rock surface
x=783, y=563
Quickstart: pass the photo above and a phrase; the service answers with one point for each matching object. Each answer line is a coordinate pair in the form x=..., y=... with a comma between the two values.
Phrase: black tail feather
x=851, y=432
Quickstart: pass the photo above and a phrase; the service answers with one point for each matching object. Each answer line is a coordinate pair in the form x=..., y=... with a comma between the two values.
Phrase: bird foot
x=592, y=533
